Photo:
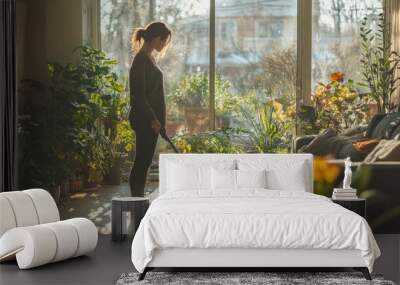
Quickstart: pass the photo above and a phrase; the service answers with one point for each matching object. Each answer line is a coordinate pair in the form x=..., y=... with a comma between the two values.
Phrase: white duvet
x=253, y=218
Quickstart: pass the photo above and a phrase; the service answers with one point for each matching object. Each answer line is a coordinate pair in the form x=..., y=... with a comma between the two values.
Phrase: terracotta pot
x=197, y=119
x=75, y=184
x=173, y=128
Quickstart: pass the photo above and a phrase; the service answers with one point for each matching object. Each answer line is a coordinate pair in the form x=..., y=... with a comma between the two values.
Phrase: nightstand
x=358, y=206
x=136, y=207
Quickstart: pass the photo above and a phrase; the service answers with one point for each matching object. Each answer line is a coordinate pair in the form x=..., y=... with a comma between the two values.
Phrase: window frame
x=304, y=51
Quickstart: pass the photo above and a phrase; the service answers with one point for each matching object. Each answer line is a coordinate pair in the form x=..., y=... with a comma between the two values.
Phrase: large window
x=254, y=47
x=258, y=59
x=336, y=36
x=186, y=65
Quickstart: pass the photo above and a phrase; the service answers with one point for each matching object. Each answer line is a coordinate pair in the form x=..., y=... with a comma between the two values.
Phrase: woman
x=147, y=113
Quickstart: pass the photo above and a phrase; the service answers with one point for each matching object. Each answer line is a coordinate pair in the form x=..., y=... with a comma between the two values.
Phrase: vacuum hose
x=164, y=135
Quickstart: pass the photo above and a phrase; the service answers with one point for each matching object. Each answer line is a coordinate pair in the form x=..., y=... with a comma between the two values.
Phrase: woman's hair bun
x=141, y=33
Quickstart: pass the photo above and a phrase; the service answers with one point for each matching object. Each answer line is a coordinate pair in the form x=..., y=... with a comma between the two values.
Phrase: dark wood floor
x=110, y=259
x=103, y=266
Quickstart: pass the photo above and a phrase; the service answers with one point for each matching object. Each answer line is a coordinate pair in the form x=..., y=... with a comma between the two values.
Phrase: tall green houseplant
x=379, y=63
x=99, y=103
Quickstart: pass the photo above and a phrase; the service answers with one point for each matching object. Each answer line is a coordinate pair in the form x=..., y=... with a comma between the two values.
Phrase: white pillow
x=228, y=179
x=188, y=177
x=223, y=179
x=294, y=179
x=184, y=174
x=281, y=174
x=251, y=178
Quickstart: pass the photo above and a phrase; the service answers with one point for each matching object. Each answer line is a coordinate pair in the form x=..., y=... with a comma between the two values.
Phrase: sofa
x=31, y=231
x=375, y=178
x=355, y=143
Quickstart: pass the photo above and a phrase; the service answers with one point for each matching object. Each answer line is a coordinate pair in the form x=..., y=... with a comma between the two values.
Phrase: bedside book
x=345, y=194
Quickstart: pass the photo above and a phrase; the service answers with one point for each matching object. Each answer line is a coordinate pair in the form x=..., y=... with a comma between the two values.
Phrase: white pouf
x=31, y=232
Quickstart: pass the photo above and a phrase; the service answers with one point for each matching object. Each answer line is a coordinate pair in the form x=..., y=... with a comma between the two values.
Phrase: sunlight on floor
x=78, y=196
x=95, y=204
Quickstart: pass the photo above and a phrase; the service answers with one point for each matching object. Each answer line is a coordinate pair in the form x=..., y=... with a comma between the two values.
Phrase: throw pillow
x=386, y=150
x=365, y=145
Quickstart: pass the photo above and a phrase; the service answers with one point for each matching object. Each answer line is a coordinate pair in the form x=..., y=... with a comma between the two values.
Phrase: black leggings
x=146, y=140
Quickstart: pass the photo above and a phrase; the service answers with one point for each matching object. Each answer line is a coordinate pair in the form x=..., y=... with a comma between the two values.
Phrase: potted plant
x=379, y=63
x=98, y=103
x=191, y=97
x=220, y=141
x=44, y=138
x=266, y=125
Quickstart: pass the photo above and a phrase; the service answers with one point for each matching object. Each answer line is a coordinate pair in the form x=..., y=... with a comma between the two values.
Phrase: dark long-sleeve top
x=146, y=92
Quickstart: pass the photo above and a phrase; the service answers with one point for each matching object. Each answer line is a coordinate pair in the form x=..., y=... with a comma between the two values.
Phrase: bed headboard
x=268, y=159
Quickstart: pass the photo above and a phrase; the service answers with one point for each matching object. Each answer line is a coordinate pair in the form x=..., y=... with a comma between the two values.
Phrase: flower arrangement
x=325, y=175
x=336, y=105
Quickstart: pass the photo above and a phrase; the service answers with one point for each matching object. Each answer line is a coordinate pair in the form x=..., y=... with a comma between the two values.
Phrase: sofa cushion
x=354, y=131
x=318, y=146
x=396, y=133
x=329, y=143
x=373, y=123
x=386, y=126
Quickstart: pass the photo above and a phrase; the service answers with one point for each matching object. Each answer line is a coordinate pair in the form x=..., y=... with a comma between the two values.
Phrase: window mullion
x=211, y=86
x=304, y=50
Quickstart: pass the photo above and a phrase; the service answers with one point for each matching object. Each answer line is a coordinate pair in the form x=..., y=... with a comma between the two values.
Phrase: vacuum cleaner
x=164, y=135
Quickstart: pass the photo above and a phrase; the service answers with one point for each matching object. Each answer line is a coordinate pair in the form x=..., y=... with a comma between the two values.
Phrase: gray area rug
x=243, y=278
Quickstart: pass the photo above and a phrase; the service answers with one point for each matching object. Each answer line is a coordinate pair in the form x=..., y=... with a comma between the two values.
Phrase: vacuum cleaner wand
x=164, y=135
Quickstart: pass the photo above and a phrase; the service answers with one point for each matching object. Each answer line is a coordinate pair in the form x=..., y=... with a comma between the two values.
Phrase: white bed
x=248, y=226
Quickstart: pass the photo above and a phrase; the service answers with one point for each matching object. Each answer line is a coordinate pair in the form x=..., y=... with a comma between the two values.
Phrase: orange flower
x=337, y=76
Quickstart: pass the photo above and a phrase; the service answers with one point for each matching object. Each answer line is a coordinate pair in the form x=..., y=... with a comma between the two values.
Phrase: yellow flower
x=331, y=173
x=324, y=171
x=319, y=91
x=277, y=106
x=291, y=111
